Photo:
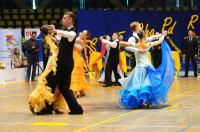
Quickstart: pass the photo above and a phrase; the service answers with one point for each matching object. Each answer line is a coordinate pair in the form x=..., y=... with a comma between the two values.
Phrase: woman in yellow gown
x=42, y=100
x=79, y=84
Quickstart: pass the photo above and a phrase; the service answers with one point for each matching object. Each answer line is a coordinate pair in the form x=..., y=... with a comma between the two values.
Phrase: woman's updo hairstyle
x=86, y=34
x=141, y=34
x=44, y=29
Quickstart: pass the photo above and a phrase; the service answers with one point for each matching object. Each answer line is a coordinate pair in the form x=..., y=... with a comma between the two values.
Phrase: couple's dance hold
x=57, y=76
x=145, y=85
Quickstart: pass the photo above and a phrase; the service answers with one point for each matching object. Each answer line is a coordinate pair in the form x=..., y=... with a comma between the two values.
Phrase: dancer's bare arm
x=158, y=42
x=134, y=49
x=156, y=37
x=125, y=44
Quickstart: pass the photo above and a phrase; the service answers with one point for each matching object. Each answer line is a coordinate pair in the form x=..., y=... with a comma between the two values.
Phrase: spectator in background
x=18, y=60
x=32, y=50
x=190, y=52
x=198, y=42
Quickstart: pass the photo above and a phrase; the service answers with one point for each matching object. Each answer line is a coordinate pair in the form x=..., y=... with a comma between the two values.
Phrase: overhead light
x=34, y=5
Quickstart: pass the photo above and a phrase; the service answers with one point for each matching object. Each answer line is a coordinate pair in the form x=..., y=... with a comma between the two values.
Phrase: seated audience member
x=2, y=65
x=17, y=61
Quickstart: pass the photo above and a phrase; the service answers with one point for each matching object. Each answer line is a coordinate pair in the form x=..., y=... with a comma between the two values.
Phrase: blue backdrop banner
x=107, y=22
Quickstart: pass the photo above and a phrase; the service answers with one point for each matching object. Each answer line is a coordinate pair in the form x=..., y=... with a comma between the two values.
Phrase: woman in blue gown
x=145, y=85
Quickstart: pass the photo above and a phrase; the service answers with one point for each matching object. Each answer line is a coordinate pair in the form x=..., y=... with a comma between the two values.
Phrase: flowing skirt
x=146, y=85
x=78, y=80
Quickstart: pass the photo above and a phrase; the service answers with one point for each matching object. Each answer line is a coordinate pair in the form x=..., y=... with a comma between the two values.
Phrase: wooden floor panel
x=102, y=111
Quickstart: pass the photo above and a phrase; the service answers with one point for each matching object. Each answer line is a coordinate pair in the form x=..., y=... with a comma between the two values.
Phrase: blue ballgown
x=146, y=85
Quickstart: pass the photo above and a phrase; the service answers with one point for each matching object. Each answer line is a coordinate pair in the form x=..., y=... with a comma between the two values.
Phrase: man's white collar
x=135, y=34
x=69, y=27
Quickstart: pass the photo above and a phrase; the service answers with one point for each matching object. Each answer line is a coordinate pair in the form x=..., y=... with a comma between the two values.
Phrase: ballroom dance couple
x=145, y=85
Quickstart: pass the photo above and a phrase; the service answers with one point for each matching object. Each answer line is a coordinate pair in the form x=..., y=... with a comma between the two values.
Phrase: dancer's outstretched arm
x=134, y=49
x=111, y=44
x=125, y=44
x=131, y=47
x=156, y=37
x=158, y=42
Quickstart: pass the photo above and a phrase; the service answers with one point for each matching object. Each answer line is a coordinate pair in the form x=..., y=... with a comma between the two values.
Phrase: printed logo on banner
x=29, y=31
x=10, y=39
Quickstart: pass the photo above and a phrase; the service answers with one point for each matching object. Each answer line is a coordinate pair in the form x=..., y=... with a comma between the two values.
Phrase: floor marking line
x=184, y=93
x=49, y=124
x=124, y=114
x=105, y=121
x=112, y=125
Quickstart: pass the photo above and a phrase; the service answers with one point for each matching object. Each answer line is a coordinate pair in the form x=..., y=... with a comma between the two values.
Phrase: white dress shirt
x=68, y=34
x=132, y=39
x=111, y=44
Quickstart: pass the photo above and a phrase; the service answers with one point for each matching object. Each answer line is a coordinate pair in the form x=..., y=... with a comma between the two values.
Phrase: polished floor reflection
x=102, y=111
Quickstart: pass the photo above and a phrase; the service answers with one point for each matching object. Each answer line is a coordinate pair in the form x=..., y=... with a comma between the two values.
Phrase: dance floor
x=102, y=111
